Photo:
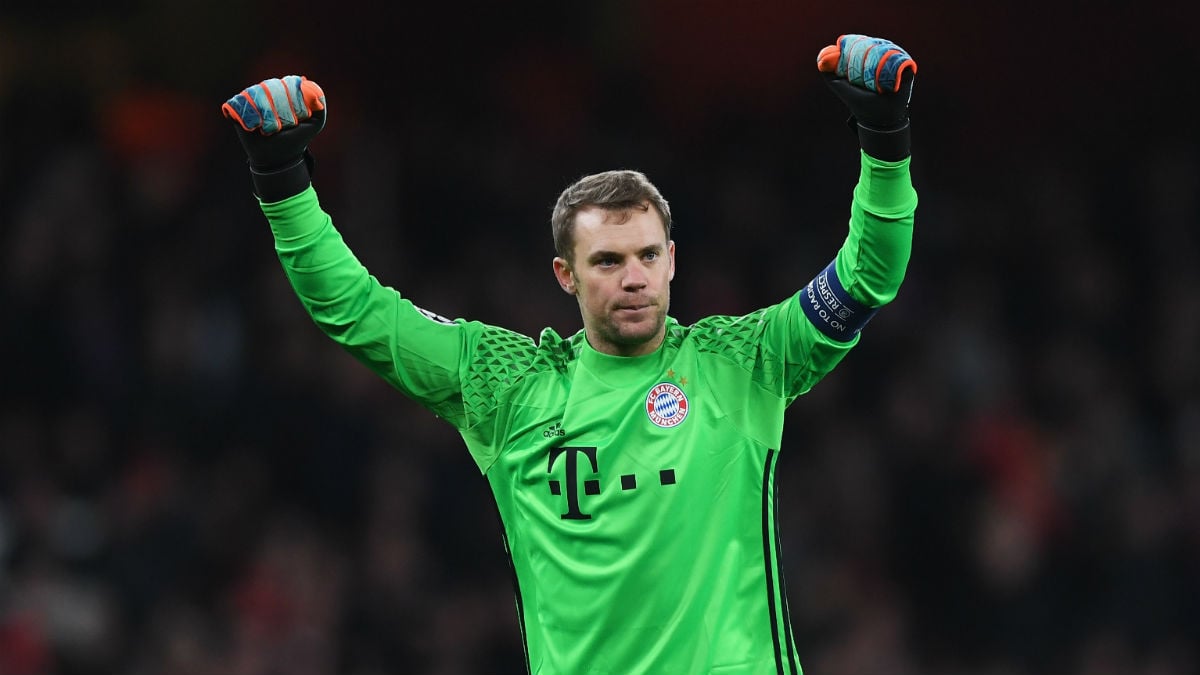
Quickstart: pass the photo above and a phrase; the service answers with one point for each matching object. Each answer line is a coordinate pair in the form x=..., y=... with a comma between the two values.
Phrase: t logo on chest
x=591, y=486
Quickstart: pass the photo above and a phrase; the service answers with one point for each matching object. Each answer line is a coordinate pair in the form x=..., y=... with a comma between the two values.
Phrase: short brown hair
x=620, y=190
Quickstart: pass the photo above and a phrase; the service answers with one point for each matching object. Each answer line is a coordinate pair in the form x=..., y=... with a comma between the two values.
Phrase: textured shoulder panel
x=738, y=339
x=501, y=358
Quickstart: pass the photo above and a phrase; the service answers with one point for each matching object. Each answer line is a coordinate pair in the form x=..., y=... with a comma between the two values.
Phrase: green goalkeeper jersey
x=637, y=494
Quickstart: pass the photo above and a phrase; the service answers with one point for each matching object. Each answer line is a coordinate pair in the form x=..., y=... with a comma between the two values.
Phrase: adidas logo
x=553, y=431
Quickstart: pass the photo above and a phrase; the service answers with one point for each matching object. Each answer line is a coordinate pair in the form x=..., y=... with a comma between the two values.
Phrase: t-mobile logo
x=591, y=486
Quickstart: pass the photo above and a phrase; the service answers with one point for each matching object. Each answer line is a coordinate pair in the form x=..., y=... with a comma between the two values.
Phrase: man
x=633, y=462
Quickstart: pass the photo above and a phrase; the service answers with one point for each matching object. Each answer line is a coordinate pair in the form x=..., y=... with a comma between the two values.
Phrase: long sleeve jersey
x=637, y=494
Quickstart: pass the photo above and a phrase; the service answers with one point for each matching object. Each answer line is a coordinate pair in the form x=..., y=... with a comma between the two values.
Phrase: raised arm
x=416, y=351
x=812, y=331
x=874, y=78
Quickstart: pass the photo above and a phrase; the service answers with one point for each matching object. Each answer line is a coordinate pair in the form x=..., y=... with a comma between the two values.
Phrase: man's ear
x=562, y=272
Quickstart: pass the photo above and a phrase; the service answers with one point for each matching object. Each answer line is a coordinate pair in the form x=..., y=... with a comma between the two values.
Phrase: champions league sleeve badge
x=436, y=318
x=666, y=405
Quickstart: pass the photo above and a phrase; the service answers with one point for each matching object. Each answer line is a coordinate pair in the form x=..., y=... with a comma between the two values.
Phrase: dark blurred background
x=1003, y=478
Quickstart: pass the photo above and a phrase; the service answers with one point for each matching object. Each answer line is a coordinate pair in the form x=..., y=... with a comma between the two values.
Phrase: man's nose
x=635, y=277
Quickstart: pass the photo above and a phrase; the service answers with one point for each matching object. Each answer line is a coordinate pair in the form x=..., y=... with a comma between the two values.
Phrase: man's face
x=621, y=277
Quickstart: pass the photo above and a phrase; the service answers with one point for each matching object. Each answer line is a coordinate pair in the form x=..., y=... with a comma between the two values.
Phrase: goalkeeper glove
x=277, y=119
x=874, y=79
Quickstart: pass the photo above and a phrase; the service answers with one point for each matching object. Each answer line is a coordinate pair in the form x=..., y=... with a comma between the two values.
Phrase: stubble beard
x=628, y=337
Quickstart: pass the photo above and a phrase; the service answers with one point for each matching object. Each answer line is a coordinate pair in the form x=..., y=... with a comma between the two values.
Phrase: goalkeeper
x=633, y=463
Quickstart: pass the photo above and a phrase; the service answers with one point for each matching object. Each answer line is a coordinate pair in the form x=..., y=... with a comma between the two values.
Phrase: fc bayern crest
x=666, y=405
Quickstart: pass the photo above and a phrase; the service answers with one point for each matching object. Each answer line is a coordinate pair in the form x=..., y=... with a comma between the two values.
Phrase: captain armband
x=831, y=309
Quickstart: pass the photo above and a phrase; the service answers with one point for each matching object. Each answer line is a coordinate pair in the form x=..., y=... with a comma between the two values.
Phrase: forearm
x=415, y=351
x=336, y=290
x=872, y=261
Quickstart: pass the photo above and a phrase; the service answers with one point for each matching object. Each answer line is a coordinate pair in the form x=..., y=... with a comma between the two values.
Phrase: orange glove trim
x=879, y=69
x=314, y=96
x=828, y=58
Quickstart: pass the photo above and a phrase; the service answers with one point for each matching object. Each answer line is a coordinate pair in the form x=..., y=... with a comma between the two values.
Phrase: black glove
x=277, y=119
x=874, y=78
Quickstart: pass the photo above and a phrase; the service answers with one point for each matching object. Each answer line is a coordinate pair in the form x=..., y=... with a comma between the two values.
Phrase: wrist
x=885, y=188
x=277, y=184
x=890, y=144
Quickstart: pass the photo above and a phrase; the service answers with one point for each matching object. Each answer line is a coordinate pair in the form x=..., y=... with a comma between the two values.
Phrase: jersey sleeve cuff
x=295, y=218
x=885, y=187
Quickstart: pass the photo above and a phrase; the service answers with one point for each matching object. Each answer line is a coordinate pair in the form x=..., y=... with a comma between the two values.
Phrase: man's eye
x=651, y=256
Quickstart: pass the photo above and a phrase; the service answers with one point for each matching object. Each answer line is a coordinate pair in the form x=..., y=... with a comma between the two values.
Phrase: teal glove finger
x=242, y=109
x=893, y=64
